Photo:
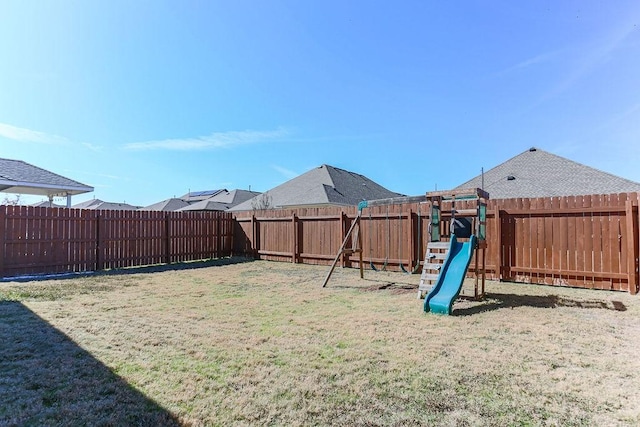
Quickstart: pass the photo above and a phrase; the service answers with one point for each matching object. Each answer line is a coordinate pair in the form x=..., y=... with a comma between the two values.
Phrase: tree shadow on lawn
x=47, y=379
x=495, y=301
x=176, y=266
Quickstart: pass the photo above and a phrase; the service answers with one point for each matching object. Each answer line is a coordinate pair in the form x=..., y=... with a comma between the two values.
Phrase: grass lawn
x=261, y=343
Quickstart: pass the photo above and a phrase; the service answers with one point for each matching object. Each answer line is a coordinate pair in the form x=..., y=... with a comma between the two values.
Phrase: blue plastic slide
x=452, y=273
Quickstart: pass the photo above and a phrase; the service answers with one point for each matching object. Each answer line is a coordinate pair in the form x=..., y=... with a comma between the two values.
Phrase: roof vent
x=532, y=149
x=511, y=178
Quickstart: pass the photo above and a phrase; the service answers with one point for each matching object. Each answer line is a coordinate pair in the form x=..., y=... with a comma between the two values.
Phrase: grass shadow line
x=47, y=379
x=496, y=301
x=145, y=269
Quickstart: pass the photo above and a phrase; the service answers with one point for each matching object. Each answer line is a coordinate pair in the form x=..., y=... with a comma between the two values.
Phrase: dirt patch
x=394, y=288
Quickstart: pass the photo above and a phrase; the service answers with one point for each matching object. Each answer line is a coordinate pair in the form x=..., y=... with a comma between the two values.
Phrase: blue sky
x=144, y=100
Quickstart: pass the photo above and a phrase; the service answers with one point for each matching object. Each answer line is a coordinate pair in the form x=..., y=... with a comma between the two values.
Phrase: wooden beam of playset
x=391, y=201
x=463, y=194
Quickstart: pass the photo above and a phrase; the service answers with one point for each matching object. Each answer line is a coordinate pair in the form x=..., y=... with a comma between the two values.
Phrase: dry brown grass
x=262, y=343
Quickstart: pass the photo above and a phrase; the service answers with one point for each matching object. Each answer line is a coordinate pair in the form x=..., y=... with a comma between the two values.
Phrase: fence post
x=412, y=240
x=167, y=239
x=229, y=238
x=218, y=226
x=294, y=243
x=343, y=231
x=3, y=217
x=632, y=246
x=99, y=240
x=500, y=269
x=254, y=236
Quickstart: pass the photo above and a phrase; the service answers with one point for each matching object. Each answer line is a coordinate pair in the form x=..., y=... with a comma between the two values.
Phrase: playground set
x=456, y=236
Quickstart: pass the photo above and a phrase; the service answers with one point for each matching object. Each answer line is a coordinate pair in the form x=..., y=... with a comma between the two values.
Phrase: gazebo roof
x=21, y=177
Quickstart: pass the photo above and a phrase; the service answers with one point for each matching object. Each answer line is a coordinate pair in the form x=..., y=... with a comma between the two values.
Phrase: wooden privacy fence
x=38, y=240
x=581, y=241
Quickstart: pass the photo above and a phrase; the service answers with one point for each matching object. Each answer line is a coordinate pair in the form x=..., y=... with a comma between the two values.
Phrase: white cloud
x=27, y=135
x=93, y=147
x=538, y=59
x=215, y=140
x=284, y=171
x=592, y=56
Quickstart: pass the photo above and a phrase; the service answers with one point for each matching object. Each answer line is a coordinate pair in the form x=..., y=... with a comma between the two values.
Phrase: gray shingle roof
x=205, y=205
x=21, y=177
x=233, y=197
x=194, y=196
x=221, y=201
x=324, y=185
x=537, y=173
x=97, y=204
x=46, y=204
x=172, y=204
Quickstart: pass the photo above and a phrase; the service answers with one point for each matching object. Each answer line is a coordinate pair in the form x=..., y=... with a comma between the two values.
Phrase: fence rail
x=39, y=240
x=581, y=241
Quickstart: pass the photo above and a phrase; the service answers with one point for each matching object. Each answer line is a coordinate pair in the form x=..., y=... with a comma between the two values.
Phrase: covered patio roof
x=21, y=177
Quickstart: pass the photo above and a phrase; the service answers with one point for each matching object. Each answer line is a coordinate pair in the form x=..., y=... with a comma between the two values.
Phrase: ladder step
x=466, y=212
x=432, y=266
x=425, y=286
x=440, y=256
x=438, y=245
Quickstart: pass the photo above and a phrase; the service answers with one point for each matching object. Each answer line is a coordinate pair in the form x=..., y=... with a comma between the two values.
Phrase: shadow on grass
x=47, y=379
x=495, y=301
x=393, y=287
x=379, y=285
x=176, y=266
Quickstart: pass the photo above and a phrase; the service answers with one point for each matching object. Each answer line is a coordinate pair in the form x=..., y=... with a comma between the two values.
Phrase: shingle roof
x=46, y=204
x=21, y=177
x=537, y=173
x=205, y=205
x=233, y=197
x=97, y=204
x=172, y=204
x=324, y=185
x=87, y=204
x=221, y=201
x=194, y=196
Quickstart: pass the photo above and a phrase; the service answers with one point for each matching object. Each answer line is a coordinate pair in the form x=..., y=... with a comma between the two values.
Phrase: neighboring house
x=323, y=186
x=196, y=196
x=20, y=177
x=537, y=173
x=97, y=204
x=167, y=205
x=221, y=201
x=46, y=204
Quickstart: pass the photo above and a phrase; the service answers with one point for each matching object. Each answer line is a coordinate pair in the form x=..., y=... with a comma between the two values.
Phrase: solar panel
x=204, y=193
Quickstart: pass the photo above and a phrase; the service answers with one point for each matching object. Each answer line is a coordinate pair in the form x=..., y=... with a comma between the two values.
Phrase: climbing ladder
x=435, y=255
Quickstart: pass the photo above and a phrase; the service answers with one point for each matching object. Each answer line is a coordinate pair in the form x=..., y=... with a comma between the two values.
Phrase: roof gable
x=194, y=196
x=97, y=204
x=172, y=204
x=324, y=185
x=537, y=173
x=87, y=204
x=205, y=205
x=233, y=197
x=21, y=177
